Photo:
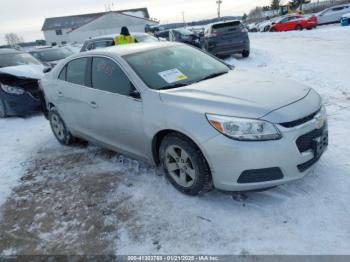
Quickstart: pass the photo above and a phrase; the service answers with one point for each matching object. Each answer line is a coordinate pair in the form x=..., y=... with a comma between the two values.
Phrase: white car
x=332, y=14
x=206, y=123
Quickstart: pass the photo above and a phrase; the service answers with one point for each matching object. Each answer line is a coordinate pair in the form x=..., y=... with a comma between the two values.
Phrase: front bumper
x=279, y=160
x=20, y=104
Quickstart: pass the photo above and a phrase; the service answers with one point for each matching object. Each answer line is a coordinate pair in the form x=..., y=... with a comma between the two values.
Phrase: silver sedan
x=208, y=124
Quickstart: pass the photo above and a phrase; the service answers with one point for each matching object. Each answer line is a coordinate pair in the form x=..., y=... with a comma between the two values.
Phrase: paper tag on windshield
x=172, y=75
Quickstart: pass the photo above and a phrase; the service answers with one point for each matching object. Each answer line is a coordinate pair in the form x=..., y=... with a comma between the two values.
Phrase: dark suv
x=226, y=38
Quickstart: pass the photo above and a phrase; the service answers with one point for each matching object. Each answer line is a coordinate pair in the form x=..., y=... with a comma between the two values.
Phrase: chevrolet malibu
x=207, y=124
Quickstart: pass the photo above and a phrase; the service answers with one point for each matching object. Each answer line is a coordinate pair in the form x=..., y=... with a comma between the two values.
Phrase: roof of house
x=76, y=21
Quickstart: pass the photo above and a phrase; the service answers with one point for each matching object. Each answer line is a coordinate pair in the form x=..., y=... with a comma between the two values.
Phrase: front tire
x=245, y=53
x=299, y=28
x=59, y=128
x=3, y=113
x=184, y=165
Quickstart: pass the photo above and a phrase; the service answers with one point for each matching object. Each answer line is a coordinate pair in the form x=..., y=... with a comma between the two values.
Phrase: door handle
x=59, y=93
x=93, y=104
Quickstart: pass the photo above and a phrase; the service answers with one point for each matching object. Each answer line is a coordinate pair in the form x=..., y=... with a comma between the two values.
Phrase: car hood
x=240, y=93
x=24, y=71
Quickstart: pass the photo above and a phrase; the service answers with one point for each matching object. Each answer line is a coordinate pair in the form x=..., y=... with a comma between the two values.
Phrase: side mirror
x=135, y=94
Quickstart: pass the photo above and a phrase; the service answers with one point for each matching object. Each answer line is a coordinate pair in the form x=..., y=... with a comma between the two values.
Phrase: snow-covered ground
x=84, y=199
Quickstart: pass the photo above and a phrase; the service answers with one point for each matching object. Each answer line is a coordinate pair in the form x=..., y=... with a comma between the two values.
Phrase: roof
x=76, y=21
x=130, y=49
x=9, y=51
x=114, y=35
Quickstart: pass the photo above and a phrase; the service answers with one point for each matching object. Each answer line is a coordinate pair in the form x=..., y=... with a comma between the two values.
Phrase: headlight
x=244, y=129
x=12, y=90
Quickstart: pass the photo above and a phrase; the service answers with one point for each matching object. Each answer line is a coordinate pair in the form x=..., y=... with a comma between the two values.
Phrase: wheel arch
x=50, y=105
x=159, y=136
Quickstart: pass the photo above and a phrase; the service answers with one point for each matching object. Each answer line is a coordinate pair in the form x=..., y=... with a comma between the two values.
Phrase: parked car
x=294, y=22
x=107, y=41
x=205, y=122
x=226, y=38
x=74, y=48
x=19, y=90
x=264, y=26
x=345, y=19
x=51, y=56
x=253, y=27
x=332, y=14
x=181, y=35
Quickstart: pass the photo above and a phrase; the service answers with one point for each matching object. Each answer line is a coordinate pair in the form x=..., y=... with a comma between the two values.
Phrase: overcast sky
x=26, y=17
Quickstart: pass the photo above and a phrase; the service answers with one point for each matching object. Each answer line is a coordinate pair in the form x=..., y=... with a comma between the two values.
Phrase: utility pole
x=219, y=2
x=183, y=17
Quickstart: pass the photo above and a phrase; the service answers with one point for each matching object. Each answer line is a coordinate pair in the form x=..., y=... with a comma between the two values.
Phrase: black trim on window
x=88, y=73
x=64, y=71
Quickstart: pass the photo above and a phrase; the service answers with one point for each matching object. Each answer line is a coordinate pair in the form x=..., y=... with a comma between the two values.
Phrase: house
x=78, y=28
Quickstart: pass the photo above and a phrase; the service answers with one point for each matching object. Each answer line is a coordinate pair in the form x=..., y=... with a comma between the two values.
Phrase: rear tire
x=273, y=29
x=184, y=165
x=3, y=113
x=245, y=53
x=299, y=28
x=59, y=128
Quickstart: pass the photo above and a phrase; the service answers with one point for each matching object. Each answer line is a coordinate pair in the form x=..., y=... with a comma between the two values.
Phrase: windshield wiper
x=212, y=76
x=173, y=86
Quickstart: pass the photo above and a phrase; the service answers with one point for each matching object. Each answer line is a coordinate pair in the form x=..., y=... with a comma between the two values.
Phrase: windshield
x=52, y=54
x=145, y=38
x=16, y=59
x=183, y=31
x=174, y=66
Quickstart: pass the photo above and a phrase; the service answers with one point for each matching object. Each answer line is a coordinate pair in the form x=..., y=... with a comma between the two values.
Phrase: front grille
x=300, y=121
x=305, y=142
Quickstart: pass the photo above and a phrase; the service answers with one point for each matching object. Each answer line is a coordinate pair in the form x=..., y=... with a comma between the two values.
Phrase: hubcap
x=179, y=165
x=57, y=127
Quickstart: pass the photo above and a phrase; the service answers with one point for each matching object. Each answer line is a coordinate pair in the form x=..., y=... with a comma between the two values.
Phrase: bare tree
x=275, y=4
x=13, y=39
x=256, y=13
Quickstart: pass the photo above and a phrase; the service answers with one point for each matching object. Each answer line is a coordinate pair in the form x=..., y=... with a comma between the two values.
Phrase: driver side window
x=106, y=75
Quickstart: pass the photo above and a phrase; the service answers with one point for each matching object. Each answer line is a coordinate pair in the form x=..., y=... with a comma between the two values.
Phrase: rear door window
x=76, y=71
x=106, y=75
x=336, y=9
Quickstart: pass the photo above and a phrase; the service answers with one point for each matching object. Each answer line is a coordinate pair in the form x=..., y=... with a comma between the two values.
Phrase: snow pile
x=20, y=140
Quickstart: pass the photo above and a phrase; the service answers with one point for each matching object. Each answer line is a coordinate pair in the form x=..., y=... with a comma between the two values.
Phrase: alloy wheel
x=58, y=127
x=180, y=166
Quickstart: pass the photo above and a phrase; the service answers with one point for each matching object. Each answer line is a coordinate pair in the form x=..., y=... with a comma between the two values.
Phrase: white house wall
x=110, y=23
x=51, y=37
